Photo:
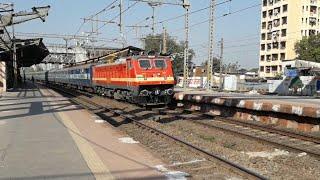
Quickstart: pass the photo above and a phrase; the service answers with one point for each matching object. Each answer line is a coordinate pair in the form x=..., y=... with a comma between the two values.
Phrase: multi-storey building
x=283, y=23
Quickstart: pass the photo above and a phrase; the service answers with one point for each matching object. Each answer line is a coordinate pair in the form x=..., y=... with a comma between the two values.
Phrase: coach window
x=160, y=63
x=145, y=64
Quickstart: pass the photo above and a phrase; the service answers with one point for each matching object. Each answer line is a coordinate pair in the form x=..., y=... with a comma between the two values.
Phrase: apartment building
x=283, y=23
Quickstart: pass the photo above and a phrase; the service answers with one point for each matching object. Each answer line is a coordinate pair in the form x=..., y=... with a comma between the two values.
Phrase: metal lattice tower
x=211, y=45
x=186, y=50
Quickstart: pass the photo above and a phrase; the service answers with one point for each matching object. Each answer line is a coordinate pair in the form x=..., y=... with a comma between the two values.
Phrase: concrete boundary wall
x=300, y=117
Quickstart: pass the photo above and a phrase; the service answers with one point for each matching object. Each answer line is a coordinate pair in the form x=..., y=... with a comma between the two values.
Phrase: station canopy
x=29, y=51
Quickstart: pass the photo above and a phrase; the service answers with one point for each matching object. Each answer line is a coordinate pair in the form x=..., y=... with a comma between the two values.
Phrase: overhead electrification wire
x=228, y=14
x=118, y=15
x=104, y=9
x=192, y=12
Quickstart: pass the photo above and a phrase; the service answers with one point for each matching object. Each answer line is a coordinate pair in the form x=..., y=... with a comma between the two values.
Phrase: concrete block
x=276, y=107
x=315, y=128
x=241, y=104
x=257, y=106
x=292, y=124
x=297, y=110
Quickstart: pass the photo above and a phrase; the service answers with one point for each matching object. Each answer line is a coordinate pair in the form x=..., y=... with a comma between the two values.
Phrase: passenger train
x=142, y=79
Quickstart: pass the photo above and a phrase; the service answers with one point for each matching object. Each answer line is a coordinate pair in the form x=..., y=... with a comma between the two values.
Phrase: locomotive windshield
x=145, y=63
x=160, y=63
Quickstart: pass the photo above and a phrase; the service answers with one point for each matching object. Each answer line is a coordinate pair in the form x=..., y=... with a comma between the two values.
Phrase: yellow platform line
x=98, y=169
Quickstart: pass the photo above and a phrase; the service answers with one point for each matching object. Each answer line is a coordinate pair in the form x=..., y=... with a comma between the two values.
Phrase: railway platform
x=45, y=136
x=301, y=113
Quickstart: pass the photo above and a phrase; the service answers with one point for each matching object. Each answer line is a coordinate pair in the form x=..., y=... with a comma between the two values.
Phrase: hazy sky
x=240, y=29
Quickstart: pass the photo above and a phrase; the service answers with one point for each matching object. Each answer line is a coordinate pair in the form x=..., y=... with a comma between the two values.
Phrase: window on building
x=268, y=57
x=284, y=20
x=276, y=11
x=312, y=21
x=283, y=32
x=261, y=68
x=276, y=22
x=265, y=2
x=275, y=45
x=262, y=58
x=269, y=46
x=270, y=13
x=263, y=47
x=307, y=8
x=274, y=57
x=269, y=36
x=264, y=25
x=264, y=14
x=312, y=32
x=270, y=2
x=274, y=68
x=269, y=25
x=283, y=45
x=267, y=69
x=285, y=8
x=282, y=56
x=313, y=10
x=263, y=36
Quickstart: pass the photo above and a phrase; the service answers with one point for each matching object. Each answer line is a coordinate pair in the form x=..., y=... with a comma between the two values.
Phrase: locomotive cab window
x=145, y=64
x=160, y=63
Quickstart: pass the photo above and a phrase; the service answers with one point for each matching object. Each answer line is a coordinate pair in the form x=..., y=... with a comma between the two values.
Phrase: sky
x=239, y=29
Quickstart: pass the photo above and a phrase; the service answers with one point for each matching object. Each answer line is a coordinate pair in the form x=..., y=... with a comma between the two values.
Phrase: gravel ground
x=178, y=157
x=283, y=164
x=263, y=158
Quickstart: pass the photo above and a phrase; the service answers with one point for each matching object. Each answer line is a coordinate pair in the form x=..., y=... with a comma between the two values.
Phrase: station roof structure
x=29, y=51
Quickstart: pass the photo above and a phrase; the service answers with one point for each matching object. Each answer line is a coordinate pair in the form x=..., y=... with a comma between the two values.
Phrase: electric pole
x=211, y=46
x=186, y=48
x=221, y=63
x=121, y=18
x=164, y=41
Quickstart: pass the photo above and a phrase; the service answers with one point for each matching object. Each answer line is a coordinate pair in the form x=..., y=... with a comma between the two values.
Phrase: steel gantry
x=186, y=5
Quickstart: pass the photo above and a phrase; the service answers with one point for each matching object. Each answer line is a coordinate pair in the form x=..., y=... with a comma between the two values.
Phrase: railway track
x=120, y=114
x=283, y=138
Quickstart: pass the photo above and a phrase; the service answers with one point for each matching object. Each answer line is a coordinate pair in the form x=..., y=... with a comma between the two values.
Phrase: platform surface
x=44, y=136
x=298, y=105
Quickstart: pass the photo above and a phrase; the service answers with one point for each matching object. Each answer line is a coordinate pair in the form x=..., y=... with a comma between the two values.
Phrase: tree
x=215, y=65
x=309, y=48
x=254, y=70
x=176, y=49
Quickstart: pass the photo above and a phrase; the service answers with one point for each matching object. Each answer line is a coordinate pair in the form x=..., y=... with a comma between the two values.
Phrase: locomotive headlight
x=144, y=92
x=157, y=92
x=169, y=92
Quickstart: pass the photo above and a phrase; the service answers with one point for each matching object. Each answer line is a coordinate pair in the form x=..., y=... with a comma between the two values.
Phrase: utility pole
x=153, y=20
x=164, y=41
x=121, y=17
x=221, y=63
x=123, y=39
x=211, y=45
x=186, y=48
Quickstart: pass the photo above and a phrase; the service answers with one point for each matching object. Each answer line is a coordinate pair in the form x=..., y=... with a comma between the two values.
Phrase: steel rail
x=240, y=168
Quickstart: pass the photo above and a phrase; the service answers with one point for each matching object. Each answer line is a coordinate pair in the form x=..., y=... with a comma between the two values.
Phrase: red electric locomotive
x=146, y=80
